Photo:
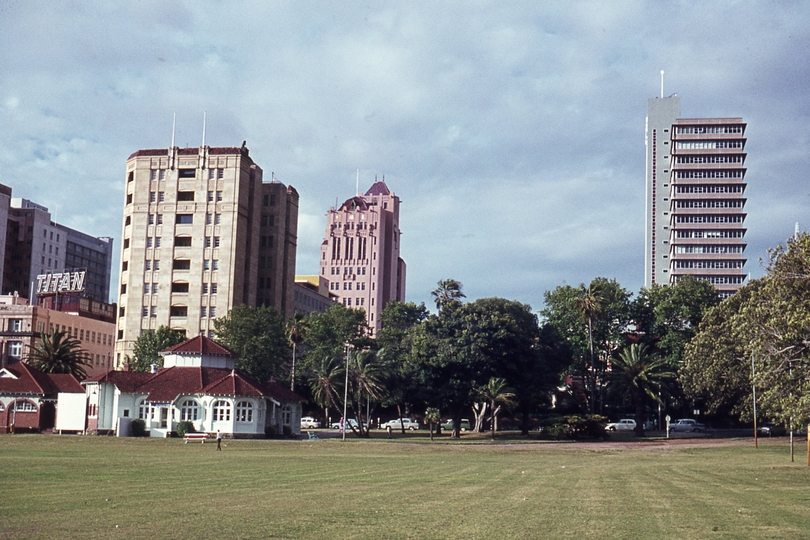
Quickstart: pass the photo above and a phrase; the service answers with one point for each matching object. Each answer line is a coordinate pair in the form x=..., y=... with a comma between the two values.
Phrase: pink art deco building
x=360, y=252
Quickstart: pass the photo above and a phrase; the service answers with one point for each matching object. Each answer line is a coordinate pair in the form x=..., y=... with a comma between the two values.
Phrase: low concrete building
x=199, y=384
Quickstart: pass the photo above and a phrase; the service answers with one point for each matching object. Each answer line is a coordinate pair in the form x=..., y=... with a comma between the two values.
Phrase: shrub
x=270, y=431
x=184, y=427
x=138, y=428
x=573, y=427
x=287, y=431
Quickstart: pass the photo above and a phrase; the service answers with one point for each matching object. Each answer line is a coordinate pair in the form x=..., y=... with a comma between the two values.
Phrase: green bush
x=287, y=431
x=138, y=428
x=573, y=427
x=184, y=427
x=270, y=431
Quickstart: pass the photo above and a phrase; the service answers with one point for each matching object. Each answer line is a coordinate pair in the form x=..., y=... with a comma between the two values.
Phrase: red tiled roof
x=234, y=384
x=378, y=188
x=280, y=392
x=126, y=381
x=199, y=345
x=32, y=381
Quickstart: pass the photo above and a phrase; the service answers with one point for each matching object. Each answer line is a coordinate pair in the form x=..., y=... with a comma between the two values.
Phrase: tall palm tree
x=367, y=376
x=432, y=417
x=591, y=304
x=326, y=383
x=638, y=373
x=295, y=334
x=448, y=290
x=497, y=393
x=58, y=353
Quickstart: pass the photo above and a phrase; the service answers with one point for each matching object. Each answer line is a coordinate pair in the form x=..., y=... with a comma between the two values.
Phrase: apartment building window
x=157, y=241
x=147, y=265
x=206, y=264
x=145, y=311
x=205, y=288
x=153, y=175
x=182, y=241
x=210, y=196
x=203, y=312
x=180, y=288
x=154, y=288
x=161, y=196
x=159, y=219
x=213, y=288
x=208, y=219
x=125, y=266
x=15, y=325
x=152, y=196
x=129, y=198
x=211, y=173
x=179, y=311
x=156, y=265
x=185, y=196
x=151, y=219
x=207, y=241
x=126, y=243
x=220, y=173
x=186, y=173
x=215, y=265
x=216, y=241
x=217, y=219
x=149, y=242
x=212, y=312
x=219, y=196
x=182, y=264
x=153, y=312
x=184, y=219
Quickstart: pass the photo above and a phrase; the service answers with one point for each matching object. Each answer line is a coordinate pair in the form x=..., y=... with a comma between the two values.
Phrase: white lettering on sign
x=61, y=282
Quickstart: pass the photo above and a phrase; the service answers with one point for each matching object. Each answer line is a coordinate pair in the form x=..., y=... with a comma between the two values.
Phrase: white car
x=407, y=423
x=625, y=424
x=309, y=422
x=686, y=424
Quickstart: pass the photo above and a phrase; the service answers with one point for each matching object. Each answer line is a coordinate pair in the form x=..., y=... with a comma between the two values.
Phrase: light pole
x=346, y=392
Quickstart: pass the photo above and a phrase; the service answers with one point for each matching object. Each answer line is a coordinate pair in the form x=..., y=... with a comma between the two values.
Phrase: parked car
x=769, y=429
x=407, y=423
x=625, y=424
x=308, y=422
x=686, y=424
x=352, y=424
x=448, y=424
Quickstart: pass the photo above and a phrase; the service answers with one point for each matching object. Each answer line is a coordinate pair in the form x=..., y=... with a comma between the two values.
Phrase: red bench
x=195, y=437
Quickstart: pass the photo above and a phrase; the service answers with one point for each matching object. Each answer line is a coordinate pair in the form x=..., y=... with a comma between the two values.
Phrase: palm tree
x=497, y=393
x=591, y=304
x=448, y=291
x=58, y=353
x=366, y=379
x=326, y=383
x=432, y=417
x=639, y=374
x=295, y=334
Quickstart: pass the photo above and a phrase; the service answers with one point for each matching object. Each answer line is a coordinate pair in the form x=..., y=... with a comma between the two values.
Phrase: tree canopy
x=149, y=344
x=56, y=352
x=257, y=335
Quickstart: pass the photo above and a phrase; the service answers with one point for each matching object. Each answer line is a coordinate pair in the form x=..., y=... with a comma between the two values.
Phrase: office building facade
x=202, y=233
x=360, y=254
x=35, y=245
x=695, y=197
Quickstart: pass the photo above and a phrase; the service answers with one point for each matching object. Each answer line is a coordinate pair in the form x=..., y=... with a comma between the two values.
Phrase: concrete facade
x=695, y=220
x=201, y=235
x=360, y=252
x=35, y=245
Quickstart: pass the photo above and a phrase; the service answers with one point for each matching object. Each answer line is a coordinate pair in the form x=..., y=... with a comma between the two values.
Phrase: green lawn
x=105, y=487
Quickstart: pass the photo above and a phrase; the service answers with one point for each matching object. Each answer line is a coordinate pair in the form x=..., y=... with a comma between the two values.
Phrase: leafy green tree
x=496, y=393
x=639, y=375
x=56, y=352
x=593, y=320
x=669, y=316
x=716, y=369
x=447, y=292
x=328, y=333
x=257, y=336
x=149, y=344
x=366, y=382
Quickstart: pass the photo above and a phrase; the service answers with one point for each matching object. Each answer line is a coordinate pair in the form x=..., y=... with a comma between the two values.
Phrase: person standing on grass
x=388, y=430
x=219, y=440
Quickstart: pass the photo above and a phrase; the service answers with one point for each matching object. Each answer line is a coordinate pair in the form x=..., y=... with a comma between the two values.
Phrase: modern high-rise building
x=202, y=234
x=35, y=245
x=695, y=197
x=360, y=252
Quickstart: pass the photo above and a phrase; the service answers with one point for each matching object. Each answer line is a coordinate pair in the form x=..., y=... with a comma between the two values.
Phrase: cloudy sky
x=512, y=131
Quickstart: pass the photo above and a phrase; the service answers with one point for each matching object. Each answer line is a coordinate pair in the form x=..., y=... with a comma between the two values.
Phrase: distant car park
x=351, y=424
x=769, y=429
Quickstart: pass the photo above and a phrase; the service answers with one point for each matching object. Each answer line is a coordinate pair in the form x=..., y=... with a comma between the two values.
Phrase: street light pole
x=346, y=392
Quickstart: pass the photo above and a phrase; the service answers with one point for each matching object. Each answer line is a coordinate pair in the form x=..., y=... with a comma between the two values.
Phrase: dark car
x=769, y=429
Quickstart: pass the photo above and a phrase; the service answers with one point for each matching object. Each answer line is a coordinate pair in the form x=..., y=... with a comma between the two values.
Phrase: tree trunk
x=638, y=399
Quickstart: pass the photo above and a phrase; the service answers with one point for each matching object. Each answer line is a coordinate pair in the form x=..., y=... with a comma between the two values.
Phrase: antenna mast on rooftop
x=662, y=84
x=171, y=148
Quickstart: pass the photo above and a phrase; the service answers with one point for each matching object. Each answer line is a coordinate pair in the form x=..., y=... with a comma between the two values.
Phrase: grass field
x=105, y=487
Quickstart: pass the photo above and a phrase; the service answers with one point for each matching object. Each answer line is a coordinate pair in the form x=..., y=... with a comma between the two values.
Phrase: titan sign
x=60, y=283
